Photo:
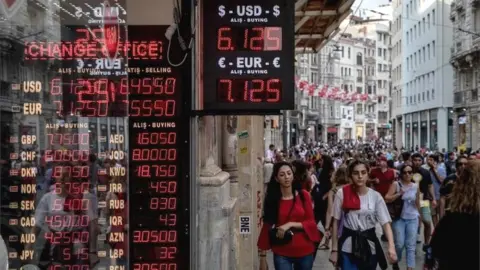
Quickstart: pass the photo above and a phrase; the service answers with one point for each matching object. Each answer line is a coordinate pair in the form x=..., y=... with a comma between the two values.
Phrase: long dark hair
x=300, y=175
x=274, y=195
x=326, y=174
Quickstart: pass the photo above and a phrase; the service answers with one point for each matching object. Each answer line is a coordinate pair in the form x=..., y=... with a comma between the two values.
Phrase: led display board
x=248, y=56
x=92, y=132
x=158, y=132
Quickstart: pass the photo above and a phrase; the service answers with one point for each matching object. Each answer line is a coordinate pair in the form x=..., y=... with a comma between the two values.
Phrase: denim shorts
x=426, y=214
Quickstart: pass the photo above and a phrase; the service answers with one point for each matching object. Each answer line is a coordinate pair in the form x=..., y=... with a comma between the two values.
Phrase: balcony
x=371, y=115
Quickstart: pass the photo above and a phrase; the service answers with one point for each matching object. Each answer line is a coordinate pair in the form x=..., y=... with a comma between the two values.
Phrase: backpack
x=395, y=208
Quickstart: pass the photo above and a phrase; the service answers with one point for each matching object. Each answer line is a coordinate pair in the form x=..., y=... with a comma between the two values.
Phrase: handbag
x=395, y=208
x=287, y=237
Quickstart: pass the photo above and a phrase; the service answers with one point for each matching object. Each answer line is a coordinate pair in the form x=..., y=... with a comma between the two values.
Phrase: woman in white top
x=406, y=224
x=361, y=209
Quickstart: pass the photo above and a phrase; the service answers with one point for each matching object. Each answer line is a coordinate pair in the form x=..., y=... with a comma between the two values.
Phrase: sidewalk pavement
x=322, y=263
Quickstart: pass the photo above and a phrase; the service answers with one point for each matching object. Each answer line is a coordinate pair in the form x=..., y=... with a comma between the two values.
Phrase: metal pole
x=286, y=130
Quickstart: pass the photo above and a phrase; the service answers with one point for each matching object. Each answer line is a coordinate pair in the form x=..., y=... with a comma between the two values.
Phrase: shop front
x=408, y=136
x=359, y=129
x=332, y=134
x=415, y=134
x=462, y=132
x=370, y=131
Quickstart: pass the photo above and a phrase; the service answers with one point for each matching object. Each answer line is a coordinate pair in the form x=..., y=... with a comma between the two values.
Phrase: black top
x=455, y=242
x=446, y=189
x=425, y=182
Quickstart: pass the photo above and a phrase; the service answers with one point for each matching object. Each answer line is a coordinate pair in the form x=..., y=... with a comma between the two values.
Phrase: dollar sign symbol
x=221, y=10
x=276, y=10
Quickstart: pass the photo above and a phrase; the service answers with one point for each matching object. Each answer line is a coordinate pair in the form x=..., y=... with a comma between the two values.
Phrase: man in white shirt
x=270, y=154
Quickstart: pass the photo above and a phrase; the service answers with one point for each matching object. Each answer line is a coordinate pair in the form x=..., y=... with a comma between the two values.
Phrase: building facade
x=396, y=51
x=427, y=75
x=465, y=58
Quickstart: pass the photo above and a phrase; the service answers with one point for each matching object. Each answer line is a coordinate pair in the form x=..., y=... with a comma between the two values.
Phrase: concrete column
x=402, y=132
x=428, y=129
x=442, y=128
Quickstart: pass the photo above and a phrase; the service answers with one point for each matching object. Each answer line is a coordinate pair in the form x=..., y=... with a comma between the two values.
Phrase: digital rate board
x=91, y=169
x=248, y=55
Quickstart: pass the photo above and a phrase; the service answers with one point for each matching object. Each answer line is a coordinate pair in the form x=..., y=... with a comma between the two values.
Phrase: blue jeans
x=405, y=236
x=349, y=263
x=288, y=263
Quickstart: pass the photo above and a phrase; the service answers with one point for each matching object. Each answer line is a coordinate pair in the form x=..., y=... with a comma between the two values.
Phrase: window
x=349, y=53
x=474, y=95
x=359, y=59
x=359, y=90
x=314, y=77
x=423, y=25
x=359, y=108
x=379, y=52
x=314, y=59
x=341, y=71
x=379, y=68
x=428, y=20
x=343, y=50
x=428, y=51
x=433, y=93
x=433, y=18
x=477, y=20
x=433, y=48
x=407, y=11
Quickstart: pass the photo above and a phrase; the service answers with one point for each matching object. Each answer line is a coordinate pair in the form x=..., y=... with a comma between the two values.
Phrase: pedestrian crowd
x=334, y=198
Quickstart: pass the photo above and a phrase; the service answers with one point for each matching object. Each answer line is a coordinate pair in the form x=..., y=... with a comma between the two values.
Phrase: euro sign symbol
x=276, y=61
x=221, y=10
x=221, y=62
x=276, y=10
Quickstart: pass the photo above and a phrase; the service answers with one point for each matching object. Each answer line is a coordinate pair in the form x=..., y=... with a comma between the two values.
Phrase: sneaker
x=395, y=266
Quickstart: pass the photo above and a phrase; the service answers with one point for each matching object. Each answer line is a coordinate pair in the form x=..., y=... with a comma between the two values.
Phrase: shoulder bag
x=395, y=208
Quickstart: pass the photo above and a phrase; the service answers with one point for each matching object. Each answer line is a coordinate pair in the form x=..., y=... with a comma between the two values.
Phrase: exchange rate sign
x=249, y=67
x=159, y=193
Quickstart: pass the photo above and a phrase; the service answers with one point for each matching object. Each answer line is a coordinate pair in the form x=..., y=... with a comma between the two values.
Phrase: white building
x=349, y=74
x=396, y=96
x=465, y=59
x=426, y=73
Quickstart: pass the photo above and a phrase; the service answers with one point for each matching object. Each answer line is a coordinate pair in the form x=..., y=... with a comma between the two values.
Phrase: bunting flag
x=332, y=92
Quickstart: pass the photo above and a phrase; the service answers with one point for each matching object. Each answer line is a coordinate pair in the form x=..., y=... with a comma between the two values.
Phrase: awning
x=317, y=21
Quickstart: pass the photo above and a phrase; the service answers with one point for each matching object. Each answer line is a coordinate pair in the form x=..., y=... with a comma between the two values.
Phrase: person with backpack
x=403, y=201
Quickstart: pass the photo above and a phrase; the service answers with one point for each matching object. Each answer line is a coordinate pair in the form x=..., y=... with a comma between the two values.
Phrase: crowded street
x=239, y=135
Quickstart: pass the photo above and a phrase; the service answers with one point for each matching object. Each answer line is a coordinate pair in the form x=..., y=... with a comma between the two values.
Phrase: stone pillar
x=250, y=181
x=229, y=157
x=216, y=204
